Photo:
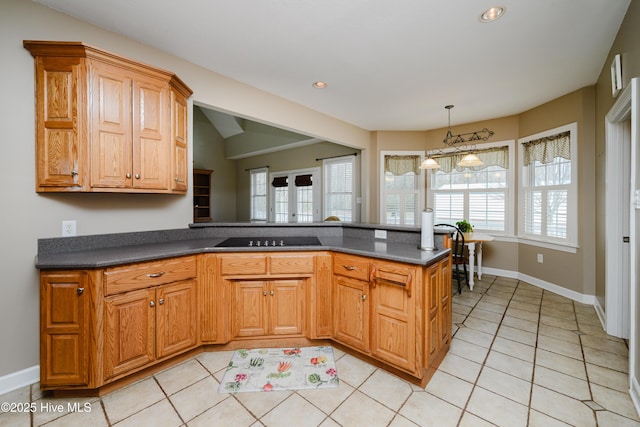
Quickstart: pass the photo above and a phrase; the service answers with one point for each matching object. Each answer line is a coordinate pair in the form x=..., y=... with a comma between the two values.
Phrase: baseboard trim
x=634, y=391
x=15, y=380
x=572, y=295
x=601, y=314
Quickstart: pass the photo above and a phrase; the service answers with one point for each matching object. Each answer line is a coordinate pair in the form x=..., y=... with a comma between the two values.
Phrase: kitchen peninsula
x=120, y=306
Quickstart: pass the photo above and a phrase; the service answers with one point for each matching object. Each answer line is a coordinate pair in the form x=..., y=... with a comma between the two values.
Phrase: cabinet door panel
x=57, y=96
x=394, y=329
x=351, y=318
x=150, y=144
x=433, y=343
x=249, y=303
x=176, y=318
x=129, y=331
x=287, y=307
x=64, y=312
x=179, y=115
x=110, y=127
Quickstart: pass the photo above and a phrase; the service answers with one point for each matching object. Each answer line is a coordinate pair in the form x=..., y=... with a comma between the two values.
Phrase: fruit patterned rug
x=266, y=369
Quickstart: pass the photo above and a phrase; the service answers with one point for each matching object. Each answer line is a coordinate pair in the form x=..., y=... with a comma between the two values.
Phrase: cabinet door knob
x=74, y=173
x=271, y=293
x=364, y=297
x=128, y=175
x=161, y=301
x=264, y=293
x=152, y=304
x=137, y=176
x=79, y=291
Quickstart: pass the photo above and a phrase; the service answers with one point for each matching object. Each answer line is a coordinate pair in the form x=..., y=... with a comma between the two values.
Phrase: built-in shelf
x=202, y=195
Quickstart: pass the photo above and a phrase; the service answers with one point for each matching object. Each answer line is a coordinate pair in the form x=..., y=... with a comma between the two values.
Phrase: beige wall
x=208, y=153
x=26, y=216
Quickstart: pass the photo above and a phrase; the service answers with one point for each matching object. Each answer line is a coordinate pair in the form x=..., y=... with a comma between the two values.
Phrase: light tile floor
x=520, y=356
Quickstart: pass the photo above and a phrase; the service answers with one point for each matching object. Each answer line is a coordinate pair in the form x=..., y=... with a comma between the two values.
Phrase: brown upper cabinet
x=105, y=123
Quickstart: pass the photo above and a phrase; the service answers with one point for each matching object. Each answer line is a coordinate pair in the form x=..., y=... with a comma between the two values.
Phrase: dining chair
x=458, y=257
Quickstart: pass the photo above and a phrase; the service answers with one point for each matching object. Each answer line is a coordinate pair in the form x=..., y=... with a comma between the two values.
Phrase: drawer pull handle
x=154, y=275
x=349, y=267
x=79, y=291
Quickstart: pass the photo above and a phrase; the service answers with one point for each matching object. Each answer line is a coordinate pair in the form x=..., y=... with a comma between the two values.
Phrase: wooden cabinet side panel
x=445, y=302
x=64, y=329
x=60, y=119
x=207, y=298
x=320, y=307
x=176, y=318
x=179, y=139
x=432, y=333
x=129, y=339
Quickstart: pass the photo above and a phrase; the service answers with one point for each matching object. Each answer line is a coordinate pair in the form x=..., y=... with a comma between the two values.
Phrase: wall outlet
x=540, y=258
x=68, y=228
x=380, y=234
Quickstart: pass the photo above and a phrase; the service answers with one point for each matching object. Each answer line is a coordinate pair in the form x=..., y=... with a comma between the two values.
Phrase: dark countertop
x=118, y=255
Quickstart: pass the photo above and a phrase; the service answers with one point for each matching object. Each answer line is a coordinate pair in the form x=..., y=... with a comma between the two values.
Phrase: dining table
x=474, y=242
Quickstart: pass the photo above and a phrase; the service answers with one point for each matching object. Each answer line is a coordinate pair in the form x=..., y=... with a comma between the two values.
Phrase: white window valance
x=400, y=165
x=498, y=156
x=548, y=148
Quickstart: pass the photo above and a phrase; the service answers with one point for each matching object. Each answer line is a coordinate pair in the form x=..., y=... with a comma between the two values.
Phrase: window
x=481, y=195
x=339, y=188
x=293, y=194
x=548, y=190
x=259, y=194
x=401, y=188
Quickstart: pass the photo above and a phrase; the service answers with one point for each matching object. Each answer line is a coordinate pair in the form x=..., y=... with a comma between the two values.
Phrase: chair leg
x=466, y=275
x=458, y=279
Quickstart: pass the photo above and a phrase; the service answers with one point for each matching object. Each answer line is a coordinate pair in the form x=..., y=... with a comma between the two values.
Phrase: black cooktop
x=240, y=242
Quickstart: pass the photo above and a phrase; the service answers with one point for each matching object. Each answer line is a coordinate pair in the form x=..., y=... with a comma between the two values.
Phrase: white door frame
x=626, y=107
x=617, y=253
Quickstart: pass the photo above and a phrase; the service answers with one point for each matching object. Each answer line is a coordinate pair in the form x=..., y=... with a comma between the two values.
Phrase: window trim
x=510, y=192
x=572, y=209
x=264, y=170
x=325, y=179
x=421, y=184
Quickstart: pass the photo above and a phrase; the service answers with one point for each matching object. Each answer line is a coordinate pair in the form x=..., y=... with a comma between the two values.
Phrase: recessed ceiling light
x=492, y=14
x=319, y=85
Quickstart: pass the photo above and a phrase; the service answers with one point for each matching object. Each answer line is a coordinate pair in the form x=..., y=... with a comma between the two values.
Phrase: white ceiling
x=389, y=65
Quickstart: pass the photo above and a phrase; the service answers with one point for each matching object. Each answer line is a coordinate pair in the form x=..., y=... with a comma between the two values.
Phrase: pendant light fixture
x=470, y=159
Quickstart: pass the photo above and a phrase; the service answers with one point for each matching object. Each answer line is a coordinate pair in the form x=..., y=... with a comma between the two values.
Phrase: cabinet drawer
x=139, y=276
x=395, y=273
x=291, y=264
x=243, y=265
x=351, y=266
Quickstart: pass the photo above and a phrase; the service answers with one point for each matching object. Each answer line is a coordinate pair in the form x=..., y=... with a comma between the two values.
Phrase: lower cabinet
x=147, y=325
x=98, y=326
x=64, y=328
x=351, y=312
x=270, y=307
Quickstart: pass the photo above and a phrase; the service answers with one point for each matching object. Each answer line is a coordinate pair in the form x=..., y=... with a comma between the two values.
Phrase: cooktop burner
x=239, y=242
